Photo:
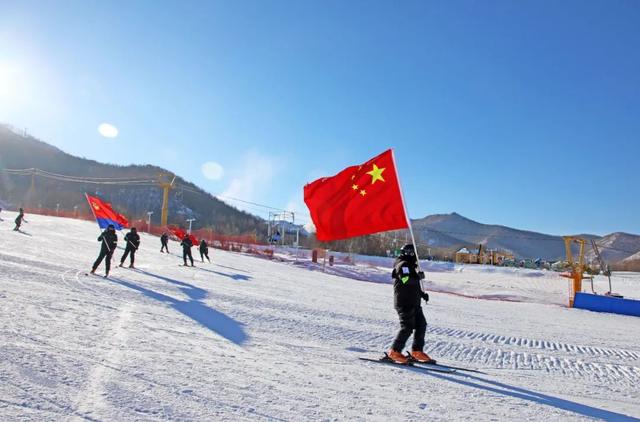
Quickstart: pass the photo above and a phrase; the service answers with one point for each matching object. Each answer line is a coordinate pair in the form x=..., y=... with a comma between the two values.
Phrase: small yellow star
x=376, y=174
x=363, y=192
x=354, y=187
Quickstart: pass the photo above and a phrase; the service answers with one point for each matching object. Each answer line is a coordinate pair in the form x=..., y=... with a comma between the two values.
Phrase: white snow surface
x=247, y=338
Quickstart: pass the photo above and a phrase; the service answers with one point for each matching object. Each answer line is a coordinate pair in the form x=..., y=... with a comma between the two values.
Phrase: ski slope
x=245, y=338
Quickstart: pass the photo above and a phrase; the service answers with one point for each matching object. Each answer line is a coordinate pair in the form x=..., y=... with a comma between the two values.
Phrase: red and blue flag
x=105, y=214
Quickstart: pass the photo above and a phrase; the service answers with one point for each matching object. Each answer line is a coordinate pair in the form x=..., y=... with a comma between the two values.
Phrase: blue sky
x=525, y=114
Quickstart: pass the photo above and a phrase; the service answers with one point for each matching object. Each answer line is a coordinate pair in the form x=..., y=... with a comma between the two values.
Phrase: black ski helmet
x=133, y=229
x=111, y=227
x=408, y=249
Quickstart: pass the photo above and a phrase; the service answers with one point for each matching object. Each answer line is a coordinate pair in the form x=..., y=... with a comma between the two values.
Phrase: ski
x=434, y=364
x=388, y=361
x=95, y=275
x=455, y=368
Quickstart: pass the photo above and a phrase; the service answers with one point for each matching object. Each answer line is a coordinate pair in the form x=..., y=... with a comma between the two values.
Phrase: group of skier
x=109, y=243
x=187, y=244
x=407, y=288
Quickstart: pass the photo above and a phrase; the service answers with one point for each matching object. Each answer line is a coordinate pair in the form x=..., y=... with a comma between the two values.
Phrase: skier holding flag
x=109, y=240
x=367, y=199
x=107, y=218
x=187, y=244
x=407, y=296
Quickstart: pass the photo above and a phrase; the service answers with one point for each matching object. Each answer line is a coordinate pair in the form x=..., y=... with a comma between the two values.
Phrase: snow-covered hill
x=617, y=247
x=454, y=231
x=245, y=338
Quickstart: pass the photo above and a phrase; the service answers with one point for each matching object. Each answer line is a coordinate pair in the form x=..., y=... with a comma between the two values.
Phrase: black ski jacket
x=407, y=292
x=186, y=243
x=204, y=247
x=109, y=240
x=164, y=239
x=132, y=239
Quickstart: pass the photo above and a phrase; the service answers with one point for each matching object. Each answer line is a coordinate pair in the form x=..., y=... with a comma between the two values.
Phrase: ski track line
x=281, y=307
x=91, y=401
x=486, y=357
x=510, y=359
x=535, y=344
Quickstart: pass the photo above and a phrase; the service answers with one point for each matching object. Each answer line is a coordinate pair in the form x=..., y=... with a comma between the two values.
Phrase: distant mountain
x=22, y=152
x=442, y=231
x=455, y=231
x=617, y=247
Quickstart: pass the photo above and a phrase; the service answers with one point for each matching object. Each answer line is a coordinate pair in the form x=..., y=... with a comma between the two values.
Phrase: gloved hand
x=425, y=296
x=421, y=275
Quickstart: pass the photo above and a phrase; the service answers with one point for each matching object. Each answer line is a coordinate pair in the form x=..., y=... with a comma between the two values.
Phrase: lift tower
x=166, y=187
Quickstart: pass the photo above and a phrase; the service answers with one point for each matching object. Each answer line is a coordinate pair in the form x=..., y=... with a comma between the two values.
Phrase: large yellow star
x=376, y=174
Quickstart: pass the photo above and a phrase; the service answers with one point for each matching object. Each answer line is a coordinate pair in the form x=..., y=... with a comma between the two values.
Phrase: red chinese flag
x=194, y=240
x=359, y=200
x=177, y=232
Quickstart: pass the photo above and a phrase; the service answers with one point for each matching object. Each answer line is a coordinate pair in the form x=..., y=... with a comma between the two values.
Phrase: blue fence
x=609, y=304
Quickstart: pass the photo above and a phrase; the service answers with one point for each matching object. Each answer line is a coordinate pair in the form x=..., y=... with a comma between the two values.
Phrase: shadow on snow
x=193, y=308
x=237, y=277
x=524, y=394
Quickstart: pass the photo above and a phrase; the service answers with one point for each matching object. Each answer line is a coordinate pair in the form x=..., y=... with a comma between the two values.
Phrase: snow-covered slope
x=245, y=338
x=616, y=247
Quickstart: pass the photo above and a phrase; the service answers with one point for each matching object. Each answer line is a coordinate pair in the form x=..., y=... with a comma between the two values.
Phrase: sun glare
x=8, y=80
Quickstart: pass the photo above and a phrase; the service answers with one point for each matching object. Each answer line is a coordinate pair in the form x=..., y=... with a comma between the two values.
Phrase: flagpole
x=404, y=206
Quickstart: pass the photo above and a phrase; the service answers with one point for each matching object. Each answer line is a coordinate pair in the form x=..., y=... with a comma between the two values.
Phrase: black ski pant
x=128, y=250
x=103, y=254
x=411, y=321
x=164, y=246
x=186, y=252
x=204, y=254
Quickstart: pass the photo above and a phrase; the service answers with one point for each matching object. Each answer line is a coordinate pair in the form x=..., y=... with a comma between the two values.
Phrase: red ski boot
x=422, y=357
x=397, y=357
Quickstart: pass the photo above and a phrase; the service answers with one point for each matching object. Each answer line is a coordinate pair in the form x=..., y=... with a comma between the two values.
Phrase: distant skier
x=164, y=239
x=187, y=244
x=132, y=240
x=275, y=238
x=19, y=220
x=407, y=296
x=109, y=240
x=204, y=250
x=1, y=217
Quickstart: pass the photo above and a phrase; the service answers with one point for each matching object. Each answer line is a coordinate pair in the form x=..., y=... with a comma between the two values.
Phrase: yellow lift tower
x=166, y=187
x=577, y=268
